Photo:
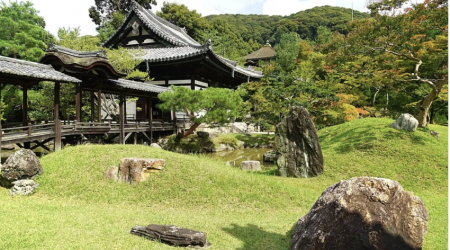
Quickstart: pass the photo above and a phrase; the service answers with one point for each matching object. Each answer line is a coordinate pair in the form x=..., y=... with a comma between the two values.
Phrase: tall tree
x=402, y=49
x=22, y=33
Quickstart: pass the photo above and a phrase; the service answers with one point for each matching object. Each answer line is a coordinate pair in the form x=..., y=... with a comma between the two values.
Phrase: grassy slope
x=76, y=208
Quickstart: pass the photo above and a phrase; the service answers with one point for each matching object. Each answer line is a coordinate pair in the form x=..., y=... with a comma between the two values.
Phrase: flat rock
x=251, y=166
x=22, y=164
x=173, y=235
x=136, y=170
x=23, y=187
x=8, y=147
x=363, y=213
x=111, y=173
x=406, y=122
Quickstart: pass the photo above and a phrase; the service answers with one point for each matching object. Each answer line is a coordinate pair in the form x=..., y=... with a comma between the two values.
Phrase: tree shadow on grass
x=255, y=238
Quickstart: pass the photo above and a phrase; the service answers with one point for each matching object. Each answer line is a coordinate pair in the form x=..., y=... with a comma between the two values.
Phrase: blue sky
x=69, y=13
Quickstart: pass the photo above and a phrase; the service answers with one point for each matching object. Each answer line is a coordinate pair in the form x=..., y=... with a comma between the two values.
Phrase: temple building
x=266, y=53
x=172, y=57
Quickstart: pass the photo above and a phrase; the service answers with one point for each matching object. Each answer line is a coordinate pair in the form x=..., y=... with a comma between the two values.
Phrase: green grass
x=75, y=207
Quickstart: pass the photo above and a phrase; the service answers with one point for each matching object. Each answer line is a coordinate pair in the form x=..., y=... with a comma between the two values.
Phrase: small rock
x=173, y=235
x=435, y=134
x=222, y=147
x=136, y=170
x=270, y=156
x=155, y=145
x=23, y=187
x=8, y=147
x=256, y=145
x=111, y=173
x=406, y=122
x=251, y=166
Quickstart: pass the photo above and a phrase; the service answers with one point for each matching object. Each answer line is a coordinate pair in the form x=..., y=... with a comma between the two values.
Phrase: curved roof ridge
x=77, y=53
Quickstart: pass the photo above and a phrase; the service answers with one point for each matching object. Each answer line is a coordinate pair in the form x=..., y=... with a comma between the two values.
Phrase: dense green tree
x=181, y=16
x=104, y=9
x=211, y=105
x=22, y=33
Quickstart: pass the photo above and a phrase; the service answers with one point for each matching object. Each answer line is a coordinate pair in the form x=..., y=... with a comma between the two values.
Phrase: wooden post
x=99, y=105
x=151, y=119
x=121, y=120
x=174, y=121
x=56, y=116
x=29, y=129
x=92, y=107
x=125, y=108
x=135, y=138
x=57, y=135
x=78, y=102
x=192, y=83
x=25, y=111
x=1, y=131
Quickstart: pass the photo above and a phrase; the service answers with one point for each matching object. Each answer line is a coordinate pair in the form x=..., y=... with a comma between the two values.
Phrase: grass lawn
x=75, y=207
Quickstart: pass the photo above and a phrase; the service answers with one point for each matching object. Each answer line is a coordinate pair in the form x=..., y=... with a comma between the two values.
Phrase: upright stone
x=136, y=170
x=251, y=166
x=111, y=173
x=297, y=145
x=363, y=213
x=406, y=122
x=23, y=164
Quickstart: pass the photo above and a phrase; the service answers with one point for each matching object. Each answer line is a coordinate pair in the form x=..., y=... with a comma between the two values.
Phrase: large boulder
x=173, y=235
x=23, y=187
x=136, y=170
x=363, y=213
x=297, y=145
x=406, y=122
x=23, y=164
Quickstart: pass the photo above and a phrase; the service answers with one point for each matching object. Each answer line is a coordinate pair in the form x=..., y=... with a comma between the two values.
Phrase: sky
x=69, y=13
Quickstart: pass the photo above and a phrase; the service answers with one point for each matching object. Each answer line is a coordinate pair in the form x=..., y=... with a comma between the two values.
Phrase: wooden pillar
x=1, y=131
x=150, y=110
x=92, y=107
x=192, y=83
x=99, y=105
x=25, y=111
x=125, y=109
x=56, y=116
x=121, y=120
x=78, y=102
x=167, y=83
x=174, y=115
x=25, y=105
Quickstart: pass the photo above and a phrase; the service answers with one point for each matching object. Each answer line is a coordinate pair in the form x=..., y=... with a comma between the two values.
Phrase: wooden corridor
x=43, y=133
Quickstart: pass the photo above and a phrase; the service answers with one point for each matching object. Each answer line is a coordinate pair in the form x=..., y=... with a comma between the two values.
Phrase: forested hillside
x=261, y=28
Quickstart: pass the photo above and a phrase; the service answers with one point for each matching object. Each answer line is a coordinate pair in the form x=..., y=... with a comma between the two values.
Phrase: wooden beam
x=151, y=120
x=24, y=105
x=99, y=105
x=125, y=108
x=192, y=82
x=1, y=131
x=92, y=107
x=57, y=135
x=78, y=102
x=57, y=127
x=121, y=122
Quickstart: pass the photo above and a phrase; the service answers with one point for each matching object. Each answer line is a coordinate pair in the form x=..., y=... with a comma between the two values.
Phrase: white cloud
x=66, y=13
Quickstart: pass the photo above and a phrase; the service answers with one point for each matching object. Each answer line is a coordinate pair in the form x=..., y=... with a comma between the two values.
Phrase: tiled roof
x=172, y=53
x=129, y=84
x=262, y=53
x=168, y=31
x=34, y=70
x=233, y=65
x=56, y=48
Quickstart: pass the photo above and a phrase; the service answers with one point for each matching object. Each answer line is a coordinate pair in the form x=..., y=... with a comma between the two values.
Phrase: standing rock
x=136, y=170
x=251, y=165
x=23, y=187
x=23, y=164
x=363, y=213
x=297, y=145
x=406, y=122
x=111, y=173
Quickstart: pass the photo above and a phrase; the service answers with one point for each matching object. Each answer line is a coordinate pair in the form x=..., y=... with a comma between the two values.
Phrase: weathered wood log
x=172, y=235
